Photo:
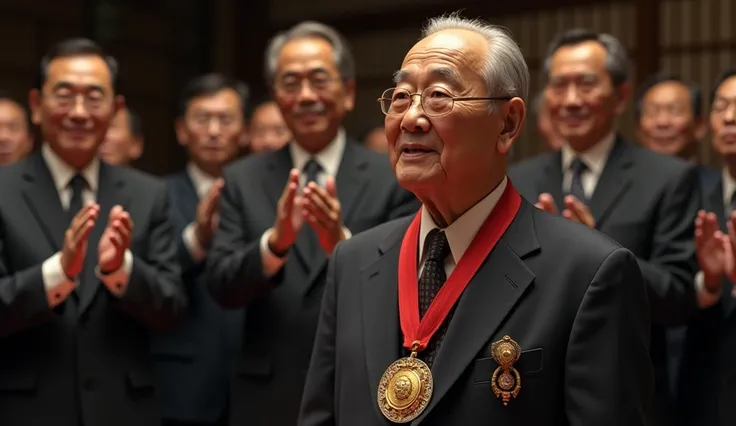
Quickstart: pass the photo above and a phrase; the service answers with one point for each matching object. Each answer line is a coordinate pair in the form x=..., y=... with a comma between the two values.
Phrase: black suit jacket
x=707, y=387
x=580, y=316
x=193, y=363
x=89, y=355
x=282, y=311
x=647, y=202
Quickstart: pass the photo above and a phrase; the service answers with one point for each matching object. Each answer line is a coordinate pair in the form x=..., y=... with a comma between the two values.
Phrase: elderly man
x=283, y=212
x=550, y=138
x=645, y=201
x=497, y=324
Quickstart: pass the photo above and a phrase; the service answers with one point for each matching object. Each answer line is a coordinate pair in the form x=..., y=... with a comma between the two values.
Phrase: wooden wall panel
x=699, y=42
x=289, y=10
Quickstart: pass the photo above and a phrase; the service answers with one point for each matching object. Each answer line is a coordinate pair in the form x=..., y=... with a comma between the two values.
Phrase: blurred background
x=161, y=44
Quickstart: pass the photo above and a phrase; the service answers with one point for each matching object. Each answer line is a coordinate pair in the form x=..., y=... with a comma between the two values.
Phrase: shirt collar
x=329, y=158
x=594, y=158
x=729, y=187
x=201, y=180
x=462, y=232
x=62, y=173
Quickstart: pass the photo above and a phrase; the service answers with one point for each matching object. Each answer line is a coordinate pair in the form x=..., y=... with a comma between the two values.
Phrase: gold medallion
x=506, y=381
x=405, y=389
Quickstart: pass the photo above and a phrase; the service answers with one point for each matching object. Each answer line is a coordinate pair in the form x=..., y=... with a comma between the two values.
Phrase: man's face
x=268, y=131
x=311, y=93
x=582, y=100
x=75, y=107
x=121, y=146
x=213, y=129
x=667, y=123
x=15, y=139
x=431, y=152
x=723, y=118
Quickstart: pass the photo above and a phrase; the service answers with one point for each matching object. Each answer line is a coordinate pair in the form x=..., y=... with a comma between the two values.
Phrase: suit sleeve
x=155, y=294
x=671, y=268
x=23, y=300
x=609, y=380
x=403, y=203
x=235, y=263
x=317, y=407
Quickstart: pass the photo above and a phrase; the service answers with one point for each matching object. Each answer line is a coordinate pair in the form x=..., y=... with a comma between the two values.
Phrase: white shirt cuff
x=272, y=264
x=347, y=233
x=195, y=249
x=117, y=281
x=58, y=286
x=706, y=299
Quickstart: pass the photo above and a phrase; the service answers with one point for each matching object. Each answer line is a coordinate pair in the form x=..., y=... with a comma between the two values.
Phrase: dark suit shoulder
x=578, y=240
x=663, y=164
x=384, y=236
x=709, y=177
x=531, y=165
x=138, y=178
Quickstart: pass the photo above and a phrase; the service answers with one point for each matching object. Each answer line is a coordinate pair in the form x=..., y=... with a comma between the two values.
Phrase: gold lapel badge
x=506, y=381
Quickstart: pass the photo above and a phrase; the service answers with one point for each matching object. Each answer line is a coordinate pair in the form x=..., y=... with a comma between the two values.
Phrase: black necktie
x=430, y=282
x=77, y=184
x=578, y=167
x=312, y=169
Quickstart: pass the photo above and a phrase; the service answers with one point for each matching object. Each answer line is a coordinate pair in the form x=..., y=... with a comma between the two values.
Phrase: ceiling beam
x=414, y=16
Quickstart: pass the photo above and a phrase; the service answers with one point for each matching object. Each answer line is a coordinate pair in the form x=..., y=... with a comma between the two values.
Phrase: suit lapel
x=552, y=184
x=188, y=198
x=613, y=181
x=380, y=311
x=493, y=292
x=350, y=181
x=716, y=205
x=110, y=192
x=42, y=197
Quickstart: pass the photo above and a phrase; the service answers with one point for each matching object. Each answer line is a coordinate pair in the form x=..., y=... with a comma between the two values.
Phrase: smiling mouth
x=415, y=151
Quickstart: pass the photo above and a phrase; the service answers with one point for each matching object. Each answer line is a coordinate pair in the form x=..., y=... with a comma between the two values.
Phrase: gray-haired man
x=282, y=213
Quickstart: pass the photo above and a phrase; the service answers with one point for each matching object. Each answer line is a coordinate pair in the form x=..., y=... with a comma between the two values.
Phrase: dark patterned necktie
x=312, y=169
x=578, y=167
x=430, y=282
x=77, y=184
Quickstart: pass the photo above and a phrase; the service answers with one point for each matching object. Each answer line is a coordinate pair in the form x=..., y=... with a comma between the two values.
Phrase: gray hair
x=617, y=60
x=505, y=70
x=310, y=29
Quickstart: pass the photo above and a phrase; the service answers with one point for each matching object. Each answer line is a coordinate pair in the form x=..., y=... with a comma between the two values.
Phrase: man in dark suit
x=707, y=387
x=670, y=121
x=529, y=341
x=283, y=212
x=645, y=201
x=194, y=362
x=87, y=261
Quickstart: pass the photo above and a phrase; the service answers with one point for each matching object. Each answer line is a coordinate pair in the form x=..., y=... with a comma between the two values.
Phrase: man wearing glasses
x=193, y=363
x=645, y=201
x=282, y=213
x=87, y=261
x=480, y=309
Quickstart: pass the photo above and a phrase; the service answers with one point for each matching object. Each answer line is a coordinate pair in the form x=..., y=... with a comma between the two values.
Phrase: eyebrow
x=443, y=73
x=66, y=85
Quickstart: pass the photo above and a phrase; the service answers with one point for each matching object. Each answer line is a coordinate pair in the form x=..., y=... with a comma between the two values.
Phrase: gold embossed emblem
x=405, y=389
x=506, y=381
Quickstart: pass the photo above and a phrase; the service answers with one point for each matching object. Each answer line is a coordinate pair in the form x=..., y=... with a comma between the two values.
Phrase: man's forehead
x=81, y=68
x=588, y=54
x=667, y=89
x=306, y=53
x=728, y=87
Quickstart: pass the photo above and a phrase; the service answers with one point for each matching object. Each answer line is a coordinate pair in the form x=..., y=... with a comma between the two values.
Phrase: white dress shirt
x=202, y=185
x=595, y=159
x=462, y=231
x=329, y=158
x=58, y=286
x=707, y=299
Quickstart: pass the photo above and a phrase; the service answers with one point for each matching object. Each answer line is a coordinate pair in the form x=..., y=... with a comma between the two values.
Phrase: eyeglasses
x=67, y=101
x=293, y=86
x=435, y=101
